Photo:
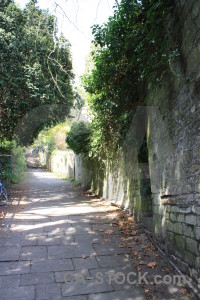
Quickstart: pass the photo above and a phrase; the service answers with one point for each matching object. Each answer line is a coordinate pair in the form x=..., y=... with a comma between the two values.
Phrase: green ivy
x=132, y=50
x=12, y=162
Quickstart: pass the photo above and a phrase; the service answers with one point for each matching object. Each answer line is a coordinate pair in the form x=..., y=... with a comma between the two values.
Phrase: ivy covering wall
x=132, y=50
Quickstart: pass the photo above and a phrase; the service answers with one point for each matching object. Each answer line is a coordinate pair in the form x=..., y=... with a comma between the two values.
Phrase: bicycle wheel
x=3, y=196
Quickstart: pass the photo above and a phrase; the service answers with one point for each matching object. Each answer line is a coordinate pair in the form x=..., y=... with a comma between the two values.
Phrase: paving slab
x=106, y=228
x=68, y=276
x=113, y=261
x=89, y=238
x=70, y=251
x=11, y=268
x=85, y=263
x=109, y=248
x=50, y=265
x=10, y=253
x=18, y=293
x=48, y=291
x=67, y=240
x=50, y=240
x=18, y=241
x=51, y=227
x=119, y=295
x=78, y=229
x=57, y=252
x=76, y=298
x=37, y=278
x=87, y=287
x=110, y=273
x=33, y=253
x=9, y=281
x=61, y=244
x=27, y=229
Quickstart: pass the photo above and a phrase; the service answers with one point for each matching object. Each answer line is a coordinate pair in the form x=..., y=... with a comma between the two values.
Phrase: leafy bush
x=78, y=138
x=18, y=165
x=12, y=162
x=53, y=138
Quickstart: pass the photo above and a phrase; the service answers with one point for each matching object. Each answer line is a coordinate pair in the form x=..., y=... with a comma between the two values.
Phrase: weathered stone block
x=197, y=21
x=173, y=217
x=157, y=221
x=181, y=210
x=196, y=210
x=189, y=258
x=182, y=2
x=167, y=215
x=156, y=199
x=195, y=9
x=179, y=242
x=193, y=58
x=192, y=245
x=178, y=228
x=193, y=273
x=158, y=209
x=155, y=209
x=197, y=233
x=172, y=237
x=191, y=219
x=188, y=230
x=197, y=262
x=180, y=218
x=169, y=226
x=175, y=209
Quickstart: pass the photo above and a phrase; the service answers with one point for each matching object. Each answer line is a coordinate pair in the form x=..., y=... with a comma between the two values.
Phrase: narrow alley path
x=54, y=247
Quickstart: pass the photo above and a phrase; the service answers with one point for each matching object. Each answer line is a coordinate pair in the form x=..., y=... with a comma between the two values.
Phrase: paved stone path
x=52, y=247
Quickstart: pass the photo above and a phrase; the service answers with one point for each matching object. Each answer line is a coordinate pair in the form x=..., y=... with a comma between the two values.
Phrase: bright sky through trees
x=75, y=18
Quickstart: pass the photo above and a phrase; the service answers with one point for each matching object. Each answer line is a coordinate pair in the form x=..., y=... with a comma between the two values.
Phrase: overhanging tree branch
x=117, y=2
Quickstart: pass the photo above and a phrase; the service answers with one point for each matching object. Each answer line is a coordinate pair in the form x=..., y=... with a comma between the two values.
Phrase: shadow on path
x=62, y=244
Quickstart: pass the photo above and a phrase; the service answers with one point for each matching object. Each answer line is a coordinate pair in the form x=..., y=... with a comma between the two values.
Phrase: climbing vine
x=132, y=52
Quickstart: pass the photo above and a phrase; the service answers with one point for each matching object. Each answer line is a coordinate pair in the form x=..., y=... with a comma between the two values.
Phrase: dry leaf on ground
x=152, y=264
x=142, y=262
x=109, y=231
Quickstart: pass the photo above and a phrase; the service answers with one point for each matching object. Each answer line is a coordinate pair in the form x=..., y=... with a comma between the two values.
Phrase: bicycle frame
x=3, y=194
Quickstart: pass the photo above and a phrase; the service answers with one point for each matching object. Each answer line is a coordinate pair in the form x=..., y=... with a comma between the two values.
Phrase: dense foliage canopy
x=132, y=51
x=35, y=69
x=78, y=139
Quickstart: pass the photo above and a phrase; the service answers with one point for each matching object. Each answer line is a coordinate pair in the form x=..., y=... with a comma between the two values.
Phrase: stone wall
x=59, y=162
x=171, y=208
x=174, y=145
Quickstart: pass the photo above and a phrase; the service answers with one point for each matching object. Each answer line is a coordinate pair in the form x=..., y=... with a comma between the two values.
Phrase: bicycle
x=3, y=195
